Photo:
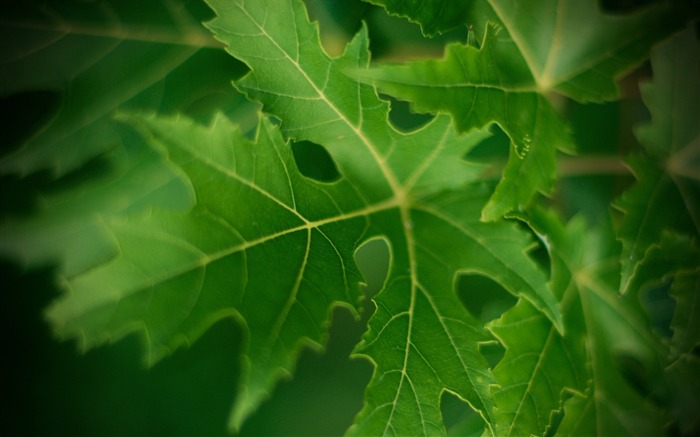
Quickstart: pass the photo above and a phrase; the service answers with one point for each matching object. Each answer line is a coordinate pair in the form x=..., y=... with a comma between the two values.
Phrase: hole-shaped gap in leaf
x=314, y=161
x=403, y=118
x=556, y=417
x=373, y=258
x=28, y=111
x=395, y=38
x=459, y=417
x=325, y=392
x=541, y=256
x=659, y=306
x=483, y=297
x=338, y=22
x=493, y=149
x=493, y=352
x=538, y=252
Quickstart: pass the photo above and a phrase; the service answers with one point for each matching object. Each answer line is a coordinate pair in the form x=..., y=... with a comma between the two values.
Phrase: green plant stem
x=573, y=166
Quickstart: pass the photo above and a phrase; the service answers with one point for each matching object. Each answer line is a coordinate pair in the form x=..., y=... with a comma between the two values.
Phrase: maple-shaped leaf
x=528, y=51
x=102, y=56
x=575, y=49
x=667, y=193
x=590, y=375
x=275, y=250
x=479, y=88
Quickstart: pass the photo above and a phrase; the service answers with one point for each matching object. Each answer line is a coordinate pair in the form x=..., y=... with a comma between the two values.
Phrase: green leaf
x=668, y=189
x=573, y=48
x=598, y=375
x=66, y=228
x=568, y=46
x=686, y=319
x=274, y=249
x=176, y=274
x=675, y=262
x=541, y=367
x=478, y=89
x=105, y=56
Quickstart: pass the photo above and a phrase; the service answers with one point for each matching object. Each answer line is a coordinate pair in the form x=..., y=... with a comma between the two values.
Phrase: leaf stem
x=591, y=165
x=573, y=166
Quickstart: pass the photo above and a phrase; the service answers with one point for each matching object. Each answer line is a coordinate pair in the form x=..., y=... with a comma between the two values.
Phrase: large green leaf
x=103, y=56
x=274, y=249
x=667, y=193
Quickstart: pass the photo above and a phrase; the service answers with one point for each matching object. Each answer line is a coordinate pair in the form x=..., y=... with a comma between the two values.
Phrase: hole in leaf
x=493, y=352
x=372, y=258
x=326, y=389
x=314, y=161
x=403, y=118
x=338, y=22
x=459, y=417
x=541, y=257
x=537, y=251
x=493, y=148
x=484, y=298
x=660, y=307
x=557, y=416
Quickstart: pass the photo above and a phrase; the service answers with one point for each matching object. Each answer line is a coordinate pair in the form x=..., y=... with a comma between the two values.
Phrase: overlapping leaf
x=568, y=46
x=478, y=89
x=575, y=49
x=103, y=56
x=660, y=231
x=541, y=369
x=99, y=57
x=66, y=228
x=585, y=375
x=540, y=49
x=667, y=193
